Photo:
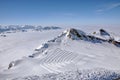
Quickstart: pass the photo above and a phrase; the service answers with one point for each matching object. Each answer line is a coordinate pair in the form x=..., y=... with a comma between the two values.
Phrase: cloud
x=108, y=7
x=115, y=5
x=99, y=10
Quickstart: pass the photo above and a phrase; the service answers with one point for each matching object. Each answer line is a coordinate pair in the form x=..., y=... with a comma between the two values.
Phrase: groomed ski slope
x=20, y=44
x=62, y=55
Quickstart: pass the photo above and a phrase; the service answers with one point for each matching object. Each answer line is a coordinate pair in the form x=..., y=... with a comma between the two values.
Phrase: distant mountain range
x=68, y=53
x=25, y=28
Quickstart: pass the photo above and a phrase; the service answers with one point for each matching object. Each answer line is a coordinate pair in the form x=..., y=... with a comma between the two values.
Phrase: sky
x=60, y=12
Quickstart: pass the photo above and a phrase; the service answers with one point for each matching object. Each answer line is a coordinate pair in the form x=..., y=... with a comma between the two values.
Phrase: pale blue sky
x=60, y=12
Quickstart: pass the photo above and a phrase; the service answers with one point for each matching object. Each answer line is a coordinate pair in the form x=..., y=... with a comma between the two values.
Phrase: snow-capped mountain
x=25, y=28
x=70, y=51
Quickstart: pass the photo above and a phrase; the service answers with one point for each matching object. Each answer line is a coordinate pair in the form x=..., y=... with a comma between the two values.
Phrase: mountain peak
x=74, y=34
x=104, y=32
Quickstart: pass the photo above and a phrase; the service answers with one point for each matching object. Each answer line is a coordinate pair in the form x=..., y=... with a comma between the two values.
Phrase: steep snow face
x=72, y=50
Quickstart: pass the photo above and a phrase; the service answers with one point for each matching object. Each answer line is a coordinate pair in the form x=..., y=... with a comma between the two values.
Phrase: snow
x=63, y=57
x=25, y=28
x=20, y=44
x=96, y=74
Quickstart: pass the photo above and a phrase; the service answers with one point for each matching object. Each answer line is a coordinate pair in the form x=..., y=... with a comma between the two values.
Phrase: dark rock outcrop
x=78, y=34
x=103, y=32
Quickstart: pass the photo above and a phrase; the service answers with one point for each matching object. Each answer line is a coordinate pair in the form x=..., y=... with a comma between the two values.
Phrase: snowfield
x=96, y=74
x=17, y=45
x=61, y=55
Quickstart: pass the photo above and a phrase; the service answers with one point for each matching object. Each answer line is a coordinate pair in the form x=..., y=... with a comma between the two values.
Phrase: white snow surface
x=21, y=44
x=58, y=55
x=96, y=74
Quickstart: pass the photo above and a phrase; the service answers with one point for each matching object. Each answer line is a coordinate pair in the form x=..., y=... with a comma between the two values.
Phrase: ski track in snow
x=59, y=58
x=20, y=44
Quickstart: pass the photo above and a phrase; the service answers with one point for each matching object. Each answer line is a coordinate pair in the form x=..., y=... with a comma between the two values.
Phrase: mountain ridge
x=70, y=50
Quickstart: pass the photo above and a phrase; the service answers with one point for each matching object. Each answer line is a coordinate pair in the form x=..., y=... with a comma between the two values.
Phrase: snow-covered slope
x=17, y=45
x=93, y=74
x=71, y=51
